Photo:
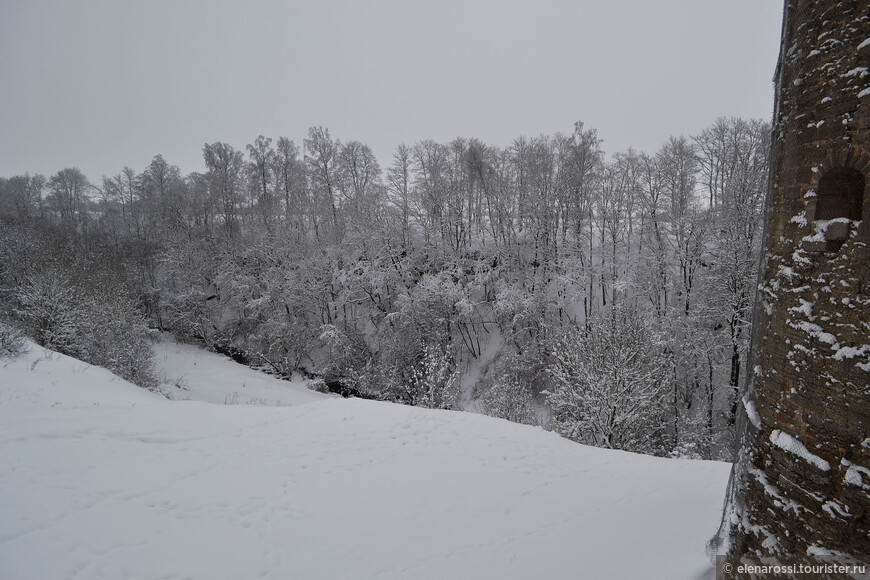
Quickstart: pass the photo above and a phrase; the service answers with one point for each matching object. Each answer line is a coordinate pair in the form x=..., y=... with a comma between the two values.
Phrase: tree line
x=606, y=296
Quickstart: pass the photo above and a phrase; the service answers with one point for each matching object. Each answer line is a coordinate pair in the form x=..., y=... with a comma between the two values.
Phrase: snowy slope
x=114, y=482
x=191, y=373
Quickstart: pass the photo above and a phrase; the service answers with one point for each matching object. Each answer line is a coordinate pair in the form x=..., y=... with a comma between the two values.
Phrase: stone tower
x=801, y=486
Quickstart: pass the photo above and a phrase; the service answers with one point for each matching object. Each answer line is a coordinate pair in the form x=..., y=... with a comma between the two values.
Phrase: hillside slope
x=101, y=479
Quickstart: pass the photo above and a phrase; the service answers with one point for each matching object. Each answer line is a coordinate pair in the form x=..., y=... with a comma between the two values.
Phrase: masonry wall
x=803, y=488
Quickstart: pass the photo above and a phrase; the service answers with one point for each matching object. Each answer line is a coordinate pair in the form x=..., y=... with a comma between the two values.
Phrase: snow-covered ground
x=100, y=479
x=191, y=373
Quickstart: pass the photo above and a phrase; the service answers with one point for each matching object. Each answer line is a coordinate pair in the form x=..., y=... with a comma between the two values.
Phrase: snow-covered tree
x=609, y=383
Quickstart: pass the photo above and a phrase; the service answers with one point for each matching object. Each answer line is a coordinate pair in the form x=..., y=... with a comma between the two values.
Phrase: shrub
x=101, y=326
x=433, y=382
x=11, y=341
x=48, y=307
x=348, y=356
x=511, y=400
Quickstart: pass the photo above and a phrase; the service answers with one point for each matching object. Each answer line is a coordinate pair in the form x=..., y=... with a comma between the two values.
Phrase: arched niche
x=838, y=203
x=840, y=194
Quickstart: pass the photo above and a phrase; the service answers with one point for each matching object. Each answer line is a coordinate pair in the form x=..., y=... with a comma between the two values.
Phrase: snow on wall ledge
x=788, y=443
x=115, y=482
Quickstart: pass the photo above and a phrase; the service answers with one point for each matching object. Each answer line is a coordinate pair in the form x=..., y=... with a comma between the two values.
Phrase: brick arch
x=854, y=157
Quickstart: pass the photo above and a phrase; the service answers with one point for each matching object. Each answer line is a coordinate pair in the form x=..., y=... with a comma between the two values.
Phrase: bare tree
x=22, y=194
x=290, y=182
x=358, y=180
x=321, y=154
x=225, y=177
x=68, y=196
x=399, y=177
x=261, y=178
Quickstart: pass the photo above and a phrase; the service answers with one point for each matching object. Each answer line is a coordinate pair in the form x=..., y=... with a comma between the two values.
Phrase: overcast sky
x=101, y=85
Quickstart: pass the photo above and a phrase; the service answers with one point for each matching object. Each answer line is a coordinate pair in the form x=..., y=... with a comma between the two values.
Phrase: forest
x=606, y=297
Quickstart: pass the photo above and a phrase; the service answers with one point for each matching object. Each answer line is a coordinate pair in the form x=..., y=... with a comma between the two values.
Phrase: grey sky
x=101, y=85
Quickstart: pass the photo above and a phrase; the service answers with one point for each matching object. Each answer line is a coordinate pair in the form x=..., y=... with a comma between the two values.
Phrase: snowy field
x=100, y=479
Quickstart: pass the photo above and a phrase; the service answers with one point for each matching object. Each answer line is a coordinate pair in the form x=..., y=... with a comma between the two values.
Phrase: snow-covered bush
x=348, y=355
x=11, y=341
x=609, y=384
x=280, y=330
x=688, y=450
x=49, y=307
x=433, y=380
x=509, y=399
x=118, y=338
x=318, y=385
x=416, y=352
x=100, y=326
x=281, y=342
x=189, y=316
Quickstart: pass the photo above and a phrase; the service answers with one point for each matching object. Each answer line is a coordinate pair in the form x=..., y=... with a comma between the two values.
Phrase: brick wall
x=803, y=485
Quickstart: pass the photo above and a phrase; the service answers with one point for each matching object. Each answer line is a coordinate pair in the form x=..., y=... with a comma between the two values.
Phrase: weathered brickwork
x=804, y=489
